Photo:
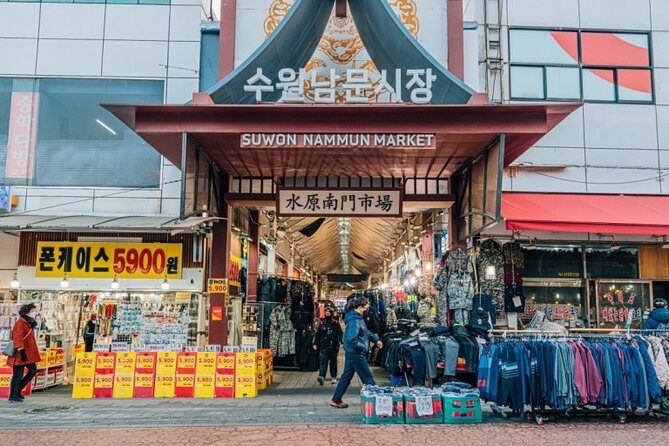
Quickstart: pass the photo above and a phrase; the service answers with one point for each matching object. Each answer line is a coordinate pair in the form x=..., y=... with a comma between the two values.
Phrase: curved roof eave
x=291, y=45
x=391, y=46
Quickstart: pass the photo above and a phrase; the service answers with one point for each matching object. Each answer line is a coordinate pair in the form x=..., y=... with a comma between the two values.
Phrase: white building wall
x=104, y=41
x=601, y=148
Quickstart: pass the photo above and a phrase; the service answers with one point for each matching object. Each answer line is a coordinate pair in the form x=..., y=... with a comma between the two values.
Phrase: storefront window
x=5, y=105
x=605, y=263
x=559, y=262
x=562, y=303
x=615, y=303
x=69, y=139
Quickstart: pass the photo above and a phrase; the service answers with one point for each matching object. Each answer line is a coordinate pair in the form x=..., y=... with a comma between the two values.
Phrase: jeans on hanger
x=449, y=349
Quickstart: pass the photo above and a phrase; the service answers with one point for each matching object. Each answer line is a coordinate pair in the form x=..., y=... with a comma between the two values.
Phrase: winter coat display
x=460, y=291
x=457, y=260
x=513, y=255
x=425, y=286
x=441, y=284
x=282, y=332
x=660, y=362
x=657, y=319
x=490, y=255
x=424, y=312
x=23, y=337
x=514, y=262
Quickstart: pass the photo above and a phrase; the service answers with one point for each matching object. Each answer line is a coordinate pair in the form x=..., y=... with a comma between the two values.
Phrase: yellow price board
x=217, y=286
x=167, y=362
x=106, y=260
x=206, y=363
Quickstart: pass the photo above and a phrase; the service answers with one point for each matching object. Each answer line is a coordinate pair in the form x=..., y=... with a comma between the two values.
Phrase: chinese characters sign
x=322, y=86
x=22, y=133
x=358, y=202
x=106, y=260
x=339, y=140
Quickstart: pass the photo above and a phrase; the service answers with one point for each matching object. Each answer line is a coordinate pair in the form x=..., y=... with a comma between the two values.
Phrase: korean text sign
x=106, y=260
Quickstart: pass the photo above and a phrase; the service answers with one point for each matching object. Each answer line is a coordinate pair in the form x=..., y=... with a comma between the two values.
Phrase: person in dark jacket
x=327, y=341
x=356, y=347
x=658, y=318
x=27, y=353
x=89, y=332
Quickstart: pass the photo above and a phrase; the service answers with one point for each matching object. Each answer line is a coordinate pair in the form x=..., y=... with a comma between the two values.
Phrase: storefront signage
x=339, y=140
x=354, y=86
x=182, y=297
x=216, y=313
x=106, y=260
x=217, y=286
x=235, y=271
x=557, y=312
x=22, y=135
x=358, y=202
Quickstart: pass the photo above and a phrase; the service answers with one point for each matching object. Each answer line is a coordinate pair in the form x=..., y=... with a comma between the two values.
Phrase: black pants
x=19, y=381
x=328, y=356
x=89, y=344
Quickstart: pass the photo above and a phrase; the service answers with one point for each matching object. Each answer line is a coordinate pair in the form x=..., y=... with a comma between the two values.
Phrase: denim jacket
x=358, y=337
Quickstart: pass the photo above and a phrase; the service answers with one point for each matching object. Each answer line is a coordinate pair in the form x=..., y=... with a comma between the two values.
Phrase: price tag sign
x=217, y=286
x=212, y=348
x=384, y=406
x=120, y=347
x=424, y=406
x=99, y=348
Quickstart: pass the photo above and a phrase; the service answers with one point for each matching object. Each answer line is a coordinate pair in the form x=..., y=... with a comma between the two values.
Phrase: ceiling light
x=428, y=266
x=15, y=281
x=64, y=283
x=165, y=285
x=418, y=272
x=114, y=284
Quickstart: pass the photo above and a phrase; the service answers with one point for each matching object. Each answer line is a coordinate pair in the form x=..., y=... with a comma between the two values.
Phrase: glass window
x=635, y=85
x=561, y=303
x=5, y=105
x=615, y=49
x=599, y=85
x=558, y=262
x=527, y=82
x=616, y=300
x=605, y=263
x=79, y=143
x=563, y=83
x=544, y=47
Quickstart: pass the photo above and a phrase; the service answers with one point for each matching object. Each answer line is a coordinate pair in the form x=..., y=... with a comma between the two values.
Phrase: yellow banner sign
x=217, y=286
x=106, y=260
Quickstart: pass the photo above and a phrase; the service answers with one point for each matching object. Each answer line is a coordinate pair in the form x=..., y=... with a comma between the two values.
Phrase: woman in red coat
x=27, y=353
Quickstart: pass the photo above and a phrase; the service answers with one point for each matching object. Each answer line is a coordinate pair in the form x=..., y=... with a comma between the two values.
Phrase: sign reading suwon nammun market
x=323, y=86
x=339, y=140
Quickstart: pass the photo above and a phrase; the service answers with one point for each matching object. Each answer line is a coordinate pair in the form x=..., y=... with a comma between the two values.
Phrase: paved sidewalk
x=319, y=435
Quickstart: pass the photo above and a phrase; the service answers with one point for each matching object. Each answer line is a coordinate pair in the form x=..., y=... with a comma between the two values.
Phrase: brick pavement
x=319, y=435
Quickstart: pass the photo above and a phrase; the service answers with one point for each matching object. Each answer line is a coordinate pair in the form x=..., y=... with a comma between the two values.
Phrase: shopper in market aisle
x=356, y=347
x=327, y=341
x=89, y=332
x=27, y=353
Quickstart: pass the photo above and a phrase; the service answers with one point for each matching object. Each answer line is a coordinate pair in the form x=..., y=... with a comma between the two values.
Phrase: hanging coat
x=460, y=291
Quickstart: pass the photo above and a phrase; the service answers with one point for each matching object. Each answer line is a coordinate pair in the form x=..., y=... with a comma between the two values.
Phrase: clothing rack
x=541, y=415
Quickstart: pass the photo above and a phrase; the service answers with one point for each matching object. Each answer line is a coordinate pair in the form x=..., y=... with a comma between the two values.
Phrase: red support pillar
x=219, y=267
x=226, y=52
x=456, y=60
x=254, y=248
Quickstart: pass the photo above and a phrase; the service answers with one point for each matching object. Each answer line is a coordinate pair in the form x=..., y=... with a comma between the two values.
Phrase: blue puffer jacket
x=655, y=318
x=358, y=337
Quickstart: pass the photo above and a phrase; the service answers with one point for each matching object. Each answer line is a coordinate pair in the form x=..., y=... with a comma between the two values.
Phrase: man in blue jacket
x=658, y=319
x=356, y=348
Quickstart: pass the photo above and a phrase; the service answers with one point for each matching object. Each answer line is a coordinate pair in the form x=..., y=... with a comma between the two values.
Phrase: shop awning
x=603, y=214
x=24, y=222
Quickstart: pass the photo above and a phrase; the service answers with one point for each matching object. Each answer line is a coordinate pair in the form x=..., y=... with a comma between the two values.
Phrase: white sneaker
x=334, y=380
